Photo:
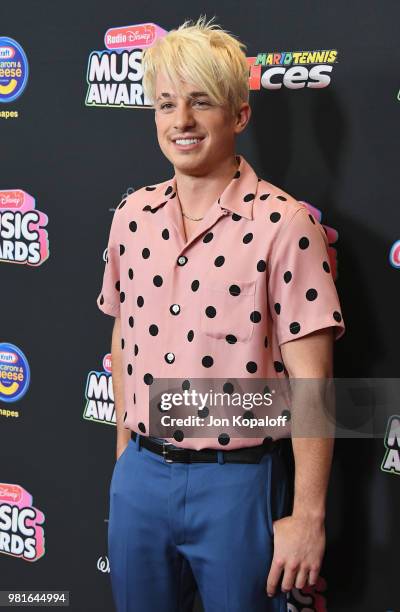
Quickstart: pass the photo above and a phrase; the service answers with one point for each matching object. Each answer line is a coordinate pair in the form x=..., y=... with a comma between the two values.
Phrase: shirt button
x=174, y=309
x=170, y=357
x=182, y=260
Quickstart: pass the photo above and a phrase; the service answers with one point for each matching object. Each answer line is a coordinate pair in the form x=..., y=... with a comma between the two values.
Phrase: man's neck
x=197, y=193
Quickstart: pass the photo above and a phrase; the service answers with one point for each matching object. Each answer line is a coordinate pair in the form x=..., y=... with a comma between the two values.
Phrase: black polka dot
x=146, y=253
x=122, y=343
x=133, y=226
x=261, y=265
x=140, y=301
x=224, y=439
x=294, y=327
x=236, y=217
x=157, y=280
x=249, y=197
x=277, y=307
x=121, y=249
x=231, y=339
x=266, y=342
x=122, y=204
x=125, y=415
x=304, y=242
x=219, y=261
x=281, y=197
x=149, y=188
x=248, y=238
x=234, y=290
x=255, y=316
x=274, y=217
x=186, y=385
x=210, y=312
x=165, y=234
x=134, y=398
x=311, y=218
x=117, y=285
x=153, y=329
x=136, y=350
x=208, y=237
x=287, y=277
x=326, y=267
x=207, y=361
x=147, y=207
x=142, y=427
x=130, y=273
x=287, y=414
x=248, y=414
x=311, y=294
x=278, y=365
x=131, y=321
x=122, y=297
x=228, y=388
x=148, y=378
x=195, y=285
x=168, y=190
x=203, y=412
x=264, y=196
x=130, y=369
x=178, y=435
x=251, y=367
x=337, y=316
x=190, y=335
x=237, y=174
x=173, y=195
x=101, y=299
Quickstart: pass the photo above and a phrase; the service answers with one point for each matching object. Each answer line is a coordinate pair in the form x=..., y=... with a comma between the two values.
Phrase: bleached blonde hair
x=204, y=55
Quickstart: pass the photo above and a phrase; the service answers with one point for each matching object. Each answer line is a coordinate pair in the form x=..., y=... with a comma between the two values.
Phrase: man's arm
x=299, y=540
x=123, y=434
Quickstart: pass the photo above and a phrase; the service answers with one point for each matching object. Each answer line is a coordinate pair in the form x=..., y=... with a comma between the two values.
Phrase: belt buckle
x=164, y=452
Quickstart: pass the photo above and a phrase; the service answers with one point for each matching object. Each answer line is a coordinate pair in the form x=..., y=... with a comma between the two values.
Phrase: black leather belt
x=251, y=454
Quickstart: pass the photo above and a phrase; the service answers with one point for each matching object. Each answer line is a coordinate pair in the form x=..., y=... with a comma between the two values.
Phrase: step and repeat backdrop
x=76, y=135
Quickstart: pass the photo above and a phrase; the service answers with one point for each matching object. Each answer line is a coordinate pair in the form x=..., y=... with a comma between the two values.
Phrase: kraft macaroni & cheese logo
x=14, y=69
x=14, y=373
x=21, y=534
x=114, y=75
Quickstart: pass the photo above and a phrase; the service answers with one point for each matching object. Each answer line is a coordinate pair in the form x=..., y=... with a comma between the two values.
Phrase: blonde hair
x=202, y=54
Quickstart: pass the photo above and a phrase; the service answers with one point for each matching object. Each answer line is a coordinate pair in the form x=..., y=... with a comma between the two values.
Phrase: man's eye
x=164, y=105
x=201, y=102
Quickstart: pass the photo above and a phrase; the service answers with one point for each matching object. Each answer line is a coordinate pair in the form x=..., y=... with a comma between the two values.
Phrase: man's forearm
x=123, y=434
x=313, y=458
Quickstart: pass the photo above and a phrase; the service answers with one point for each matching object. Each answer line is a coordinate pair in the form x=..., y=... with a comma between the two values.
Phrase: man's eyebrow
x=192, y=94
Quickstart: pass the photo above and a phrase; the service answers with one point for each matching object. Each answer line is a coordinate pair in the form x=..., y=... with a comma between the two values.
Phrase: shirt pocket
x=226, y=309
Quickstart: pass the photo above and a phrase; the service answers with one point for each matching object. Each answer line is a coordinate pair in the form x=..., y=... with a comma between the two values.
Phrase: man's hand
x=299, y=546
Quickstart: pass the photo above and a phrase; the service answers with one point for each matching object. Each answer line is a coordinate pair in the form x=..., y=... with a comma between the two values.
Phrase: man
x=213, y=273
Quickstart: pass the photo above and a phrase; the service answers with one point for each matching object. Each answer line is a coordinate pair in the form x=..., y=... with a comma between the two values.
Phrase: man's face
x=191, y=115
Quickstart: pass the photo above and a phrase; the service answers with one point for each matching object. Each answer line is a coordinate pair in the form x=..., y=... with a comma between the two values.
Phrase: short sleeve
x=108, y=299
x=301, y=290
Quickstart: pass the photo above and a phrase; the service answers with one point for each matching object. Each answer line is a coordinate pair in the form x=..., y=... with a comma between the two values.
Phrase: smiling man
x=213, y=273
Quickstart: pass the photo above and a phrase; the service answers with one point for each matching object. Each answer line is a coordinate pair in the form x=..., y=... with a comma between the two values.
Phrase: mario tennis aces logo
x=292, y=69
x=114, y=75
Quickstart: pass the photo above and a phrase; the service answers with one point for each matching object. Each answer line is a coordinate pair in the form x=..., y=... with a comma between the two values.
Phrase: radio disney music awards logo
x=99, y=395
x=114, y=75
x=394, y=255
x=292, y=69
x=308, y=599
x=103, y=565
x=391, y=460
x=14, y=69
x=14, y=376
x=21, y=534
x=23, y=239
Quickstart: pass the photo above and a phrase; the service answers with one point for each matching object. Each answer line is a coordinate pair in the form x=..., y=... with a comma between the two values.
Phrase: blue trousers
x=177, y=527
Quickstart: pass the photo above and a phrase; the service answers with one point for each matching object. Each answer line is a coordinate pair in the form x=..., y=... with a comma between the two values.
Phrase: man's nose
x=183, y=116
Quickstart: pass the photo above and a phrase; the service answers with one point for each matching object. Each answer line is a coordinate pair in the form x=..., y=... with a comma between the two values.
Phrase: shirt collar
x=238, y=196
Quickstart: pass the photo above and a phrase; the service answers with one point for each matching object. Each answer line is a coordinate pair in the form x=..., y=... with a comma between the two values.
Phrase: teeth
x=187, y=141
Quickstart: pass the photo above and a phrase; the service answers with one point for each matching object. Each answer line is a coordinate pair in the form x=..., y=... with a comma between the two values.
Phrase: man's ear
x=243, y=117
